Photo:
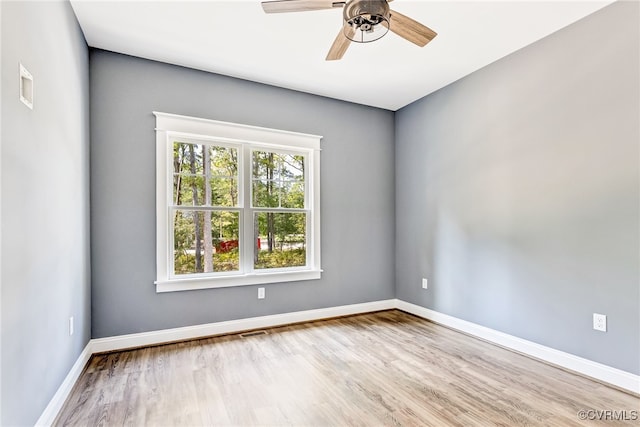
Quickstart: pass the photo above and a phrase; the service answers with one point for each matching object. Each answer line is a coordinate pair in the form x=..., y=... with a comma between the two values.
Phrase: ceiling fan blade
x=280, y=6
x=340, y=44
x=410, y=29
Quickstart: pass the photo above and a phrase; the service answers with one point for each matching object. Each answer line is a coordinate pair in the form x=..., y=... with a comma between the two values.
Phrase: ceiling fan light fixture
x=364, y=21
x=368, y=20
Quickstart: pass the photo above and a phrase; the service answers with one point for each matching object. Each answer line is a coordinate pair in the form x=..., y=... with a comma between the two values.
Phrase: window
x=236, y=205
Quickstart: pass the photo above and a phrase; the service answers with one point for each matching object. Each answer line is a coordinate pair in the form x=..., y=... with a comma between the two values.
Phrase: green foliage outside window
x=206, y=227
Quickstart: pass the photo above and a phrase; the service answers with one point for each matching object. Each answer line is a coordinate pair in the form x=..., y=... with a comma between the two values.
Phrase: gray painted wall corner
x=517, y=192
x=45, y=205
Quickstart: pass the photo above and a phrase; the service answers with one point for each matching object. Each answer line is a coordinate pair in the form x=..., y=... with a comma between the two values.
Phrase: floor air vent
x=253, y=334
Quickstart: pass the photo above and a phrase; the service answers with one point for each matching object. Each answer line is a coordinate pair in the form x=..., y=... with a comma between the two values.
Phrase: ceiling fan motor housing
x=369, y=19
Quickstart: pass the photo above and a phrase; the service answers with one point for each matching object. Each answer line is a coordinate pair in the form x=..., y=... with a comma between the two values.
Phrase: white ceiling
x=237, y=38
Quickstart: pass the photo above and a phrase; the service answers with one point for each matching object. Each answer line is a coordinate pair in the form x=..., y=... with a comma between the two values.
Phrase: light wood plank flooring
x=386, y=368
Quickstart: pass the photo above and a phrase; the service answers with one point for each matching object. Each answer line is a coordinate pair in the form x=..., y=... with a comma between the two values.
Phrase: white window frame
x=245, y=138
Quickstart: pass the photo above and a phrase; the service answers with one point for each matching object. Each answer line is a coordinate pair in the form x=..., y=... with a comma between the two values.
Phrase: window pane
x=204, y=175
x=205, y=241
x=278, y=180
x=188, y=190
x=280, y=240
x=224, y=192
x=292, y=195
x=187, y=158
x=292, y=167
x=266, y=165
x=265, y=194
x=224, y=161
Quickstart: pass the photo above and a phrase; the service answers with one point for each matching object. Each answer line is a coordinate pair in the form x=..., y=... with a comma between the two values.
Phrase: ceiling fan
x=363, y=21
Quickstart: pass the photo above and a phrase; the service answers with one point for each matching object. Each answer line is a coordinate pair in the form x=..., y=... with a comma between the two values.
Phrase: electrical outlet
x=600, y=322
x=260, y=293
x=424, y=284
x=70, y=325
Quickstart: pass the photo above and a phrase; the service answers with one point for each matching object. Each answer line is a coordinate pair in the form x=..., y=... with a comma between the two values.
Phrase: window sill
x=175, y=285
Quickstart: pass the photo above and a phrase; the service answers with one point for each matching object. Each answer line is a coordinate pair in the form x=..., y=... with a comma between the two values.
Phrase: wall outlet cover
x=600, y=322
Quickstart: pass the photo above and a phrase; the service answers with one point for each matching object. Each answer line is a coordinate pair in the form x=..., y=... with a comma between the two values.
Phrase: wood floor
x=387, y=368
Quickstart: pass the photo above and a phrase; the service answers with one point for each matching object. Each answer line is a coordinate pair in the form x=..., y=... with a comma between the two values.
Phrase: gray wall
x=45, y=205
x=517, y=192
x=357, y=192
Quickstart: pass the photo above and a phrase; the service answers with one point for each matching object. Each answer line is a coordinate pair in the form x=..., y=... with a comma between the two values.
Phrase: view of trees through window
x=278, y=186
x=207, y=213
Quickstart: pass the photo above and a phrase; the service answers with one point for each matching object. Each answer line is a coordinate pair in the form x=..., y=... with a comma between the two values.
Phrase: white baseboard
x=120, y=342
x=607, y=374
x=53, y=408
x=616, y=377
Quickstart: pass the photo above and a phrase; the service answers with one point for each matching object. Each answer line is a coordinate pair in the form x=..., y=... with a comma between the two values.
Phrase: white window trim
x=170, y=126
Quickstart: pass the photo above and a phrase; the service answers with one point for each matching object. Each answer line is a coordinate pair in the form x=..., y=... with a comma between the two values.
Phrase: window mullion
x=247, y=248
